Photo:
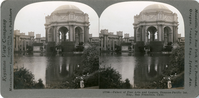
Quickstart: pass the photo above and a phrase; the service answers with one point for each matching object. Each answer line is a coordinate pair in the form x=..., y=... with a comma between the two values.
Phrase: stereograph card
x=99, y=49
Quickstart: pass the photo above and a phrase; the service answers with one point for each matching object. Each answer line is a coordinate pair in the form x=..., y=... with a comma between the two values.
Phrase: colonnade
x=75, y=34
x=163, y=33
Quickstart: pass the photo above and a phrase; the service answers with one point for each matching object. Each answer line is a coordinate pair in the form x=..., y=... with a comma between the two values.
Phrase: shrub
x=111, y=79
x=24, y=79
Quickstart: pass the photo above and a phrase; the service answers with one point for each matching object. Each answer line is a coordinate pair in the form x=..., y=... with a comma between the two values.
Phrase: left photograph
x=56, y=46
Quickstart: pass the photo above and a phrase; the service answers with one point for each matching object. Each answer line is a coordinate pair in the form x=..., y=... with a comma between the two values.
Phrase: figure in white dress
x=82, y=83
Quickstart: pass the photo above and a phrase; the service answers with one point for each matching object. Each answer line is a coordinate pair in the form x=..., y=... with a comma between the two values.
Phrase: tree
x=90, y=62
x=110, y=78
x=24, y=79
x=176, y=64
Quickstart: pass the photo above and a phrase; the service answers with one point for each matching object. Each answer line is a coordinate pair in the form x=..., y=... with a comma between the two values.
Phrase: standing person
x=169, y=84
x=82, y=83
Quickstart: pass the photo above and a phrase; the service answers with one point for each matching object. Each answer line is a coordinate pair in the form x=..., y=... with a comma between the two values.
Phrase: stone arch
x=78, y=35
x=63, y=34
x=152, y=34
x=138, y=34
x=167, y=35
x=50, y=34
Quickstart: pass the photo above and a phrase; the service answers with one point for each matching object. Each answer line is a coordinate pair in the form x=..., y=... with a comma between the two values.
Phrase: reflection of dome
x=66, y=9
x=156, y=7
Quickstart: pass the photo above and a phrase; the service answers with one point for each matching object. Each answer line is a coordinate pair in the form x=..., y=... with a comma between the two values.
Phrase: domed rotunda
x=155, y=26
x=67, y=26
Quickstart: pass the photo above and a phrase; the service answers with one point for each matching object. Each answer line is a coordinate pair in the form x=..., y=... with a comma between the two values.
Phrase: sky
x=120, y=16
x=48, y=10
x=32, y=17
x=116, y=17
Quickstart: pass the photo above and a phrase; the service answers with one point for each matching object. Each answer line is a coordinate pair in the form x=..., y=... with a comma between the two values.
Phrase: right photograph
x=141, y=46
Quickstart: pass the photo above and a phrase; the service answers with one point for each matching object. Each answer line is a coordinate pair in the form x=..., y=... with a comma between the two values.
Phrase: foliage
x=117, y=48
x=79, y=48
x=111, y=79
x=90, y=60
x=24, y=79
x=92, y=79
x=29, y=48
x=176, y=64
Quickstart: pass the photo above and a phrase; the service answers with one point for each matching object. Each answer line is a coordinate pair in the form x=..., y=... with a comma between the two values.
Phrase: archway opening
x=138, y=35
x=63, y=34
x=167, y=35
x=152, y=34
x=78, y=35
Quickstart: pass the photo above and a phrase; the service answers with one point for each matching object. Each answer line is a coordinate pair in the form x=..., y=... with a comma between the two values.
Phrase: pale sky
x=32, y=17
x=120, y=16
x=116, y=17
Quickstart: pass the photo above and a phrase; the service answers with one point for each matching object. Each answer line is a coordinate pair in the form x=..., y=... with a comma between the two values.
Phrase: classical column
x=22, y=44
x=171, y=36
x=101, y=43
x=55, y=34
x=17, y=42
x=175, y=34
x=82, y=36
x=159, y=33
x=143, y=34
x=46, y=34
x=71, y=33
x=105, y=39
x=135, y=34
x=162, y=33
x=86, y=34
x=113, y=44
x=25, y=44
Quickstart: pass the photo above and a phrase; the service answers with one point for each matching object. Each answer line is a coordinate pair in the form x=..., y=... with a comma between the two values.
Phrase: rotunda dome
x=66, y=9
x=155, y=8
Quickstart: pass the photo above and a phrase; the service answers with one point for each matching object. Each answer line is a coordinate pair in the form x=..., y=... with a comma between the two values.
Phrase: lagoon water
x=139, y=68
x=50, y=68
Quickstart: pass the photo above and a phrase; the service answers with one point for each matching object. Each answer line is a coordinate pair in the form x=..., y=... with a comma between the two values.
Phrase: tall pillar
x=175, y=34
x=135, y=34
x=55, y=34
x=113, y=44
x=82, y=36
x=17, y=42
x=162, y=33
x=25, y=44
x=101, y=43
x=143, y=34
x=22, y=44
x=171, y=36
x=86, y=34
x=105, y=39
x=71, y=33
x=46, y=34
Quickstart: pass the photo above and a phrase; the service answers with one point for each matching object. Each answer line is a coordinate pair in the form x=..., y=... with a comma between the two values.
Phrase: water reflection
x=138, y=68
x=50, y=68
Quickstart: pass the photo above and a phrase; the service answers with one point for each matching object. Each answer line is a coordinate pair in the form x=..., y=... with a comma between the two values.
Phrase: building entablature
x=113, y=37
x=67, y=23
x=24, y=37
x=158, y=16
x=104, y=32
x=70, y=17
